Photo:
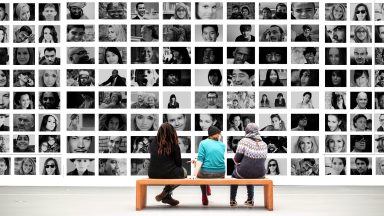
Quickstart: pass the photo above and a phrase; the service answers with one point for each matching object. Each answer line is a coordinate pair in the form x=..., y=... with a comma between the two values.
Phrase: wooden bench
x=141, y=187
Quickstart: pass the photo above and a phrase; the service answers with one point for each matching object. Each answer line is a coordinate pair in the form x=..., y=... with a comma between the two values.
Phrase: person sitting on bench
x=210, y=160
x=165, y=162
x=249, y=161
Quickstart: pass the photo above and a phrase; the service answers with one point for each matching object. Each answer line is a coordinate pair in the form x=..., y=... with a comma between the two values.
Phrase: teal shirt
x=211, y=154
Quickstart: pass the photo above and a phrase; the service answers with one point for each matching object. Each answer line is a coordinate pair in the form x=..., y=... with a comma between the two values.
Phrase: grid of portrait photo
x=84, y=86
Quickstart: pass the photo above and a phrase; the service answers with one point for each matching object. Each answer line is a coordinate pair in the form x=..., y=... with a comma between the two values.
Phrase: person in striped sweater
x=249, y=161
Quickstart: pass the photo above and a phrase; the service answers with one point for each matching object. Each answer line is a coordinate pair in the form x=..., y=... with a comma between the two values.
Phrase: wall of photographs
x=84, y=87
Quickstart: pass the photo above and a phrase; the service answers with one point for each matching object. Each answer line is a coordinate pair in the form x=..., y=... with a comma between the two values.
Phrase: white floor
x=116, y=201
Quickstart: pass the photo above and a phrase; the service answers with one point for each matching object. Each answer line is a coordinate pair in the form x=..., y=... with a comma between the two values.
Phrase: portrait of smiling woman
x=113, y=55
x=49, y=78
x=23, y=56
x=50, y=166
x=144, y=122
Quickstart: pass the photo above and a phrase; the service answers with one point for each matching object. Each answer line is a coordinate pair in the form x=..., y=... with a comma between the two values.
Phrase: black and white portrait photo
x=180, y=121
x=112, y=55
x=274, y=100
x=81, y=167
x=177, y=55
x=335, y=34
x=24, y=78
x=80, y=33
x=336, y=100
x=241, y=33
x=49, y=11
x=361, y=100
x=273, y=77
x=304, y=77
x=23, y=143
x=24, y=100
x=176, y=77
x=112, y=100
x=144, y=55
x=49, y=100
x=240, y=55
x=81, y=100
x=276, y=144
x=304, y=122
x=113, y=33
x=112, y=77
x=113, y=144
x=144, y=122
x=140, y=144
x=49, y=143
x=209, y=33
x=144, y=100
x=305, y=33
x=305, y=144
x=305, y=55
x=113, y=10
x=112, y=122
x=176, y=100
x=241, y=10
x=208, y=77
x=305, y=167
x=209, y=100
x=238, y=122
x=80, y=77
x=305, y=100
x=276, y=166
x=241, y=77
x=204, y=120
x=273, y=122
x=80, y=55
x=112, y=166
x=272, y=10
x=336, y=166
x=80, y=122
x=241, y=100
x=80, y=10
x=272, y=55
x=49, y=78
x=177, y=33
x=144, y=11
x=80, y=144
x=144, y=33
x=208, y=55
x=272, y=33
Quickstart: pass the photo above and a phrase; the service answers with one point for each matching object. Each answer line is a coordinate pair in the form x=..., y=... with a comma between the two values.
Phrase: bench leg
x=141, y=196
x=268, y=197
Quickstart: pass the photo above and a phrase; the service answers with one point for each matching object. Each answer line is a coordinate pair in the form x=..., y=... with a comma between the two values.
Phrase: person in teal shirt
x=210, y=160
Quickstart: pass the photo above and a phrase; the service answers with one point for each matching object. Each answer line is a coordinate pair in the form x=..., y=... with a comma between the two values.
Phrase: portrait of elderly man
x=76, y=10
x=109, y=166
x=114, y=143
x=49, y=57
x=362, y=100
x=24, y=122
x=49, y=100
x=79, y=55
x=241, y=55
x=82, y=166
x=360, y=56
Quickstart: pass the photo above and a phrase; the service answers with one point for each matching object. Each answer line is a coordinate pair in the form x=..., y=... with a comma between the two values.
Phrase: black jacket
x=163, y=166
x=119, y=81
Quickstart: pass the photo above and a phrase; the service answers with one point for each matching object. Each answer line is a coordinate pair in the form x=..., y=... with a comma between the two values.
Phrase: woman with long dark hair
x=165, y=160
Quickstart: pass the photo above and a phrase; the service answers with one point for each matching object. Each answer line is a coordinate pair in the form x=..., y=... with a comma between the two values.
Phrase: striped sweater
x=250, y=157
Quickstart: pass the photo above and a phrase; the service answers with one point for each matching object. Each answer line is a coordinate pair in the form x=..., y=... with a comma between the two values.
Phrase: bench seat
x=141, y=187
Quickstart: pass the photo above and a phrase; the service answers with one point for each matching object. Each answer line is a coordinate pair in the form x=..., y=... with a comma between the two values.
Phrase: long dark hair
x=115, y=51
x=268, y=81
x=53, y=33
x=166, y=138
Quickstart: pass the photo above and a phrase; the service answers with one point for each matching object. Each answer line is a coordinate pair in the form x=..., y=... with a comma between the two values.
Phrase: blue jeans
x=250, y=188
